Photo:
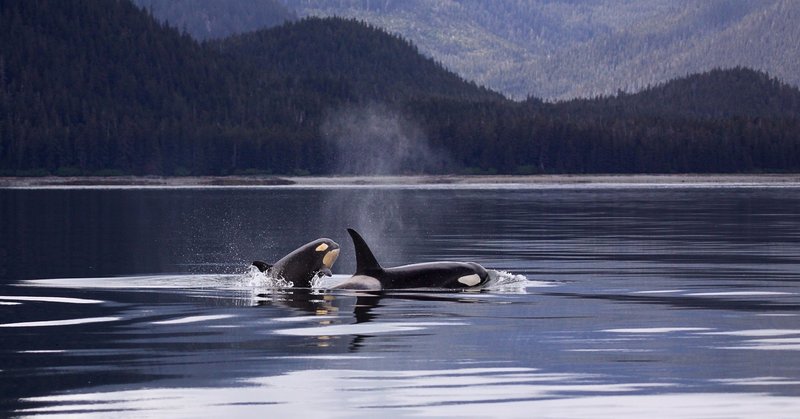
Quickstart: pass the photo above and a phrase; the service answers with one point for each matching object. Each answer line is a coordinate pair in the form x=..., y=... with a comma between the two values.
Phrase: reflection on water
x=458, y=392
x=604, y=303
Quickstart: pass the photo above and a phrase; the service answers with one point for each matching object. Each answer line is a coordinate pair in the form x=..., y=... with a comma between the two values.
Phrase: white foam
x=257, y=279
x=504, y=278
x=504, y=282
x=67, y=322
x=539, y=284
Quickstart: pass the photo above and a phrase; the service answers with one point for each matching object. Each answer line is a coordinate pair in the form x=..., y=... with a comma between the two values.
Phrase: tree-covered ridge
x=101, y=87
x=96, y=86
x=364, y=61
x=563, y=49
x=717, y=94
x=214, y=19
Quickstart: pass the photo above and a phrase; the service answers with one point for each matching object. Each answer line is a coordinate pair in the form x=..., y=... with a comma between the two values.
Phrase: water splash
x=502, y=278
x=254, y=278
x=499, y=281
x=327, y=282
x=507, y=282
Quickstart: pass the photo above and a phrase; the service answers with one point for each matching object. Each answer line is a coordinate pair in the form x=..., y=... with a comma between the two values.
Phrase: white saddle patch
x=360, y=282
x=470, y=280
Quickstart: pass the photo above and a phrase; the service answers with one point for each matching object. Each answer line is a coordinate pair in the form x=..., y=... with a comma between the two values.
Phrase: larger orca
x=370, y=275
x=305, y=263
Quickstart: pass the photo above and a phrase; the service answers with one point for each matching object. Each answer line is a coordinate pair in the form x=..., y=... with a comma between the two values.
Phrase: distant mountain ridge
x=562, y=49
x=128, y=94
x=213, y=19
x=717, y=94
x=364, y=60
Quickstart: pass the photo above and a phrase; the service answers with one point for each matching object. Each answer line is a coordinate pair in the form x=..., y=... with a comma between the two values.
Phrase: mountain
x=563, y=49
x=717, y=94
x=721, y=121
x=104, y=95
x=363, y=60
x=102, y=87
x=128, y=94
x=713, y=122
x=213, y=19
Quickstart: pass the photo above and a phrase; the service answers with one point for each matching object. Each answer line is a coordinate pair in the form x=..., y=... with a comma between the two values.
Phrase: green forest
x=101, y=87
x=565, y=49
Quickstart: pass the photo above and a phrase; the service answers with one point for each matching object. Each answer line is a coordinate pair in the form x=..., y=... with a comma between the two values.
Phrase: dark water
x=638, y=301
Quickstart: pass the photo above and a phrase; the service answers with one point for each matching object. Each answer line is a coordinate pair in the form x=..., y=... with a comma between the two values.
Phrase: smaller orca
x=448, y=275
x=304, y=263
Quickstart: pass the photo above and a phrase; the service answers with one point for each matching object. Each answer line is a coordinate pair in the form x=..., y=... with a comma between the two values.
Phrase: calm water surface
x=660, y=301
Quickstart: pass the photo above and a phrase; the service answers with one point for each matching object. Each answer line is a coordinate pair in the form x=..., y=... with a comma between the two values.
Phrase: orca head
x=315, y=258
x=326, y=251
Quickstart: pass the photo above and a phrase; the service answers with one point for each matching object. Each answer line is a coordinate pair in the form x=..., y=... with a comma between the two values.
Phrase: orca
x=305, y=263
x=370, y=276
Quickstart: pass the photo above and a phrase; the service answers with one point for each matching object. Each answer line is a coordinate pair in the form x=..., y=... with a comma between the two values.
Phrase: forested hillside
x=350, y=56
x=123, y=94
x=127, y=94
x=562, y=49
x=717, y=94
x=213, y=19
x=102, y=87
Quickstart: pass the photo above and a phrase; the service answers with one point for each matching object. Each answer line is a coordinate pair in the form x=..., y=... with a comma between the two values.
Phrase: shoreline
x=566, y=180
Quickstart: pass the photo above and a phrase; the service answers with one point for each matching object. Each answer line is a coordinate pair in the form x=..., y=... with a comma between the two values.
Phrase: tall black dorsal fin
x=365, y=260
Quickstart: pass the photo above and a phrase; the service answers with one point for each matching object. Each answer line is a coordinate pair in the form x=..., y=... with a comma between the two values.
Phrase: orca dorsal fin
x=262, y=266
x=365, y=260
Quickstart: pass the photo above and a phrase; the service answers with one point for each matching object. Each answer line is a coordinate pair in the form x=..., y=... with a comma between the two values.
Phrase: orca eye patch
x=323, y=247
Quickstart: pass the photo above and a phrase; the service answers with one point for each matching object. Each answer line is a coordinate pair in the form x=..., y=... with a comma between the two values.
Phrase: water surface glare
x=675, y=301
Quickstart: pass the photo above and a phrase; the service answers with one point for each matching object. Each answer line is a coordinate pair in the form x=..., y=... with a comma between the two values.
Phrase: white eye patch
x=470, y=280
x=330, y=258
x=323, y=247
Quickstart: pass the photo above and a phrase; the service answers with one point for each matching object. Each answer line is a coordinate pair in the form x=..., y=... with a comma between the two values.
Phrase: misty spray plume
x=375, y=140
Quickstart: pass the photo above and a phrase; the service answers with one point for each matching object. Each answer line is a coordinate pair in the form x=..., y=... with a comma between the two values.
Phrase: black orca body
x=448, y=275
x=304, y=263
